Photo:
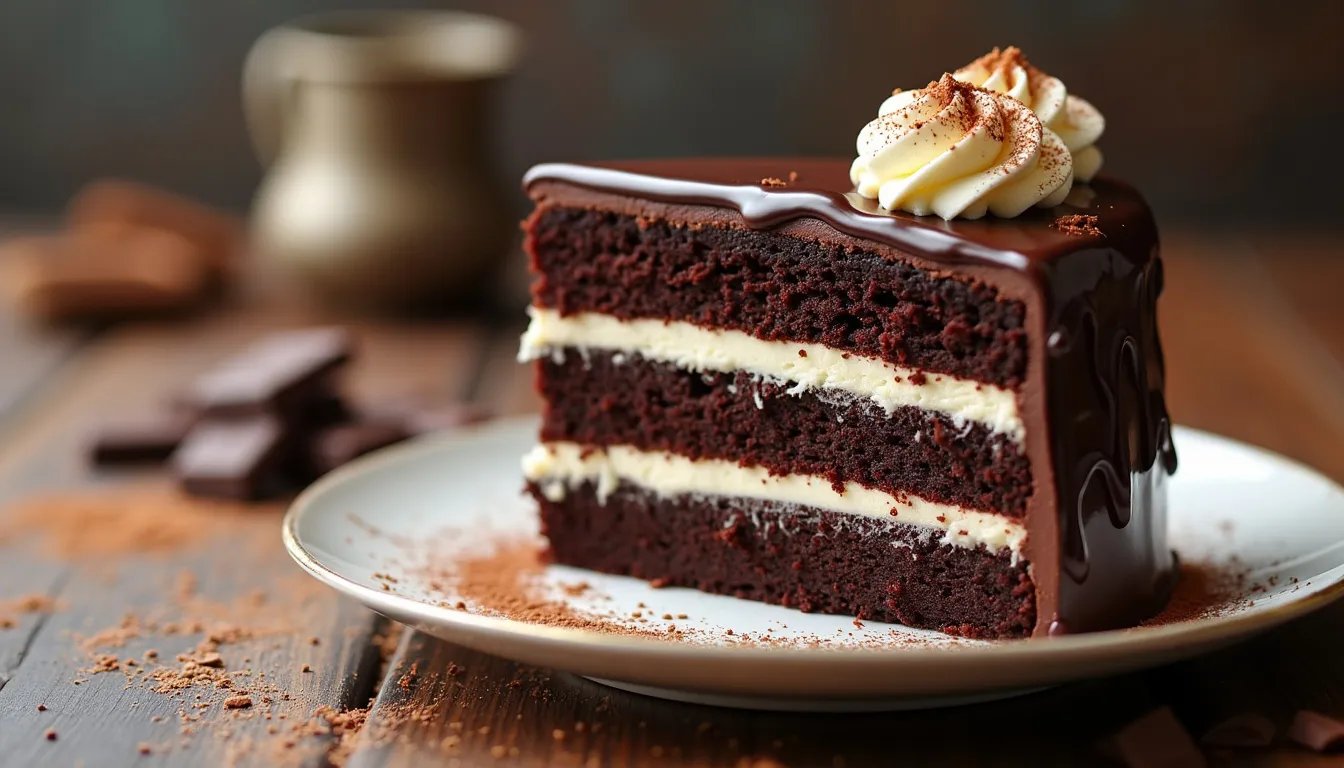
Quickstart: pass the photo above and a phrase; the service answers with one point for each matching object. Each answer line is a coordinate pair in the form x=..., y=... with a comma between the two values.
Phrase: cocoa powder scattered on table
x=145, y=519
x=213, y=666
x=10, y=610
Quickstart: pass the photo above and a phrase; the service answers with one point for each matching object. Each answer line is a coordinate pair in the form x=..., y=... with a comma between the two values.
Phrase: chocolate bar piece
x=341, y=444
x=271, y=418
x=149, y=440
x=272, y=375
x=112, y=203
x=69, y=278
x=232, y=459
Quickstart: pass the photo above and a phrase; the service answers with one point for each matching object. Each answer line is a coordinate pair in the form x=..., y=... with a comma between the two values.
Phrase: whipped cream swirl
x=1073, y=119
x=956, y=150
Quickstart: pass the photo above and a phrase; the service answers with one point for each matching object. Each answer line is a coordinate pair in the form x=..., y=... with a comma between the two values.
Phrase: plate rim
x=1148, y=640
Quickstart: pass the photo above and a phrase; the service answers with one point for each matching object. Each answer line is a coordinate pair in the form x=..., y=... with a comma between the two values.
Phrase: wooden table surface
x=1254, y=334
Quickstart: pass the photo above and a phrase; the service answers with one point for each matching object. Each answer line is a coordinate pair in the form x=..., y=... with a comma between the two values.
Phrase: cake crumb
x=238, y=702
x=213, y=660
x=773, y=181
x=1078, y=225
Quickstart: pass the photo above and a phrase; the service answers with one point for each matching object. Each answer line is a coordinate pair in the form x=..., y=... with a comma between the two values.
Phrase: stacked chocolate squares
x=268, y=420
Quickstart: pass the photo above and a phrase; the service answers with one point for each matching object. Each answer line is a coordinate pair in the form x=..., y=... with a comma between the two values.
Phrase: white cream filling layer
x=803, y=366
x=557, y=467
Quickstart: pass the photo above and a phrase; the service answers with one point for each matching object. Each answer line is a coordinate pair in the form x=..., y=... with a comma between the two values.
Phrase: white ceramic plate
x=1231, y=504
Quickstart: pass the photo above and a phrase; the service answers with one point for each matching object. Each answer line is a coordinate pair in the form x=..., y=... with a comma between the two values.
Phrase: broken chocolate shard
x=270, y=419
x=233, y=459
x=271, y=374
x=149, y=440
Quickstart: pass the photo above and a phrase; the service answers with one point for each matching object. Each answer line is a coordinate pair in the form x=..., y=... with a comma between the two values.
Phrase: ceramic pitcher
x=374, y=125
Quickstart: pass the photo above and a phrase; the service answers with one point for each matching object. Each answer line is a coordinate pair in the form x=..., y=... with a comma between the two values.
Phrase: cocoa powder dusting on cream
x=1005, y=60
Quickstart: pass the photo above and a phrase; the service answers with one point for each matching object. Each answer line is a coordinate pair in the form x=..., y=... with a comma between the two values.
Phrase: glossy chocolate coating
x=1098, y=433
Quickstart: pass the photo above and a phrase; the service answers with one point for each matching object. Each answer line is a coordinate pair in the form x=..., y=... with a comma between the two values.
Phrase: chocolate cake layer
x=776, y=287
x=809, y=559
x=594, y=400
x=1081, y=352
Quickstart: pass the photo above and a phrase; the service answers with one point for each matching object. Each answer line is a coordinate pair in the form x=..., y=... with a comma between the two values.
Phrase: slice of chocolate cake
x=764, y=379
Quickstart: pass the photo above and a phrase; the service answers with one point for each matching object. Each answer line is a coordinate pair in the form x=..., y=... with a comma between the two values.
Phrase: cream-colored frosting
x=1073, y=119
x=956, y=150
x=801, y=366
x=558, y=466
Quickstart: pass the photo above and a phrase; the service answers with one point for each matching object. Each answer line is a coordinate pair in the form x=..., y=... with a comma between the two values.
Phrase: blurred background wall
x=1219, y=111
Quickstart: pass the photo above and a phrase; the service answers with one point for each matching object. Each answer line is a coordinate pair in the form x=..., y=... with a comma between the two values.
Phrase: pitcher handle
x=268, y=85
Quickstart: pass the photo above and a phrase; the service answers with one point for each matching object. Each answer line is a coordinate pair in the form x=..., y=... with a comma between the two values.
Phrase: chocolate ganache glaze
x=1098, y=428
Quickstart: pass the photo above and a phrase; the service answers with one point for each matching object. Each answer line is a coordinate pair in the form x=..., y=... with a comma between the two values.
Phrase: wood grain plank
x=1309, y=269
x=104, y=718
x=464, y=705
x=30, y=352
